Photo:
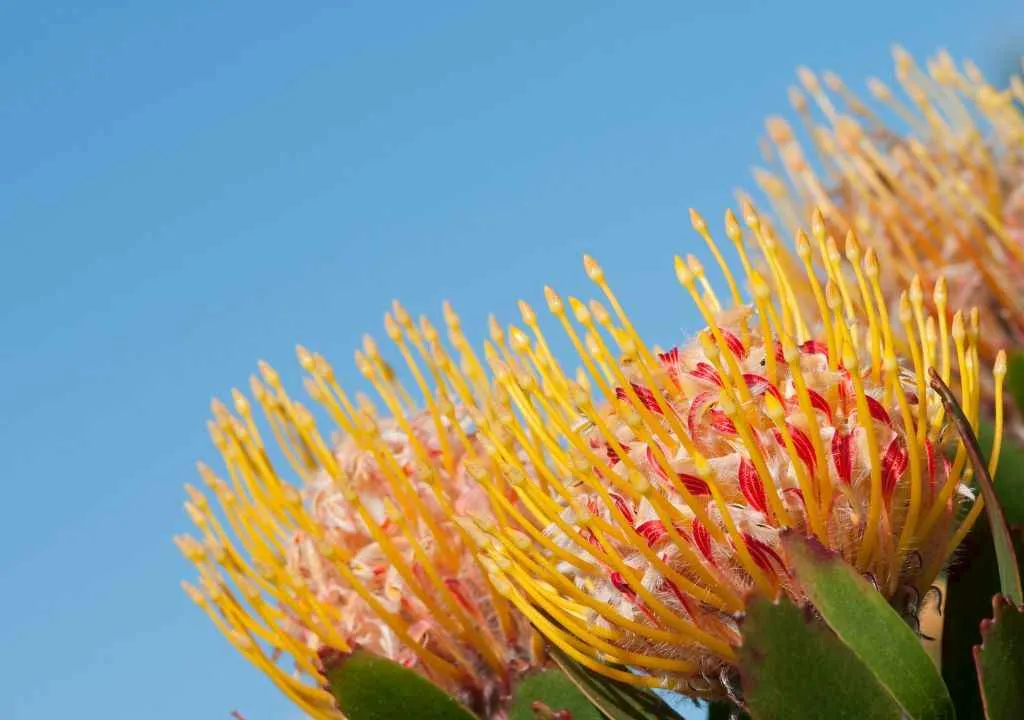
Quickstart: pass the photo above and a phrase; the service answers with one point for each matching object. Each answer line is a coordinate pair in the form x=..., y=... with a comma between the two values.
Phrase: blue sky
x=187, y=187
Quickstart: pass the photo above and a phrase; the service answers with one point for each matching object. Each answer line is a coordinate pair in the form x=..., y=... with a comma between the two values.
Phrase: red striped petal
x=759, y=385
x=652, y=531
x=877, y=411
x=820, y=403
x=623, y=507
x=621, y=585
x=842, y=457
x=802, y=445
x=694, y=485
x=721, y=422
x=764, y=555
x=669, y=358
x=751, y=486
x=654, y=465
x=804, y=448
x=696, y=410
x=813, y=347
x=707, y=373
x=613, y=456
x=894, y=463
x=736, y=345
x=702, y=539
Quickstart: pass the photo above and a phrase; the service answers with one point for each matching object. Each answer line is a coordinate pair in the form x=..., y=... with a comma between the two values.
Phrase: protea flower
x=366, y=552
x=664, y=478
x=933, y=182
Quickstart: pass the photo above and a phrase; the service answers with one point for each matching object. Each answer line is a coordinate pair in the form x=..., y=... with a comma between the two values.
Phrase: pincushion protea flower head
x=664, y=479
x=941, y=200
x=369, y=553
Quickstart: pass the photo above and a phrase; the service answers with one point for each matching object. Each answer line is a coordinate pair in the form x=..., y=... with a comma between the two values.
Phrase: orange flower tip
x=518, y=339
x=797, y=99
x=218, y=409
x=241, y=402
x=803, y=246
x=193, y=593
x=305, y=358
x=833, y=298
x=732, y=226
x=370, y=346
x=832, y=81
x=900, y=54
x=401, y=314
x=529, y=317
x=817, y=224
x=362, y=365
x=879, y=89
x=941, y=292
x=904, y=308
x=697, y=221
x=579, y=310
x=391, y=328
x=808, y=78
x=270, y=375
x=553, y=300
x=683, y=273
x=959, y=331
x=778, y=130
x=593, y=270
x=871, y=263
x=494, y=327
x=999, y=368
x=195, y=515
x=832, y=247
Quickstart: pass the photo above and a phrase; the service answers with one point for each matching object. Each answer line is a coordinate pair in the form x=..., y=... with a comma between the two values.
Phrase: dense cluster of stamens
x=368, y=551
x=662, y=480
x=941, y=201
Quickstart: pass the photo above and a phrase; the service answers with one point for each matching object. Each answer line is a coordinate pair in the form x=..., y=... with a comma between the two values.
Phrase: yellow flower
x=932, y=180
x=663, y=479
x=367, y=552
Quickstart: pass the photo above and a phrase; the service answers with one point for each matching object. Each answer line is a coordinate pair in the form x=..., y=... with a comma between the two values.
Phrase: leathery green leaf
x=556, y=691
x=866, y=623
x=1000, y=661
x=793, y=666
x=369, y=687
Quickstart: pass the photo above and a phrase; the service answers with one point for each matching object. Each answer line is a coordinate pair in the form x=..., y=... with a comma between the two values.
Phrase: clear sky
x=186, y=187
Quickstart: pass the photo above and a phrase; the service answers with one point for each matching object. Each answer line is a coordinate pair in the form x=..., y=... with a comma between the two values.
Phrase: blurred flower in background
x=931, y=177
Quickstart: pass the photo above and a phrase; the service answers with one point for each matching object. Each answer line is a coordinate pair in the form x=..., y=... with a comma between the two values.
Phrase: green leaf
x=556, y=691
x=616, y=700
x=972, y=580
x=1009, y=572
x=1009, y=479
x=369, y=687
x=793, y=666
x=870, y=628
x=1000, y=661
